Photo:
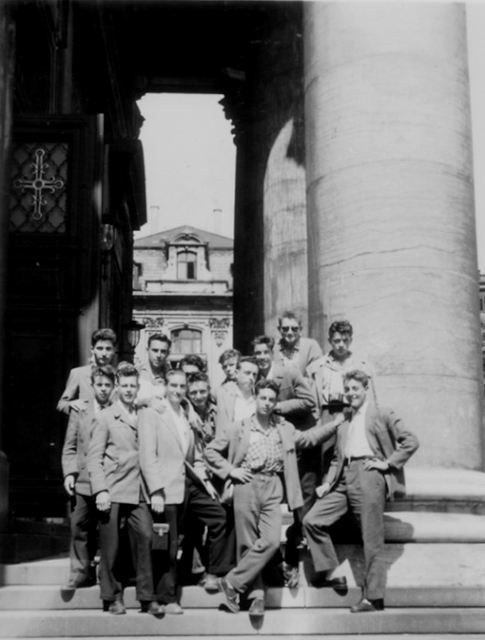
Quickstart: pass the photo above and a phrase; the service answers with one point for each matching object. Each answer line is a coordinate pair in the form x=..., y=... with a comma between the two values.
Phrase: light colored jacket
x=388, y=439
x=308, y=351
x=78, y=386
x=113, y=459
x=76, y=448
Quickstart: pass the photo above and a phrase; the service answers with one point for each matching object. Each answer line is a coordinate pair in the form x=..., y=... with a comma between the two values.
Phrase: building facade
x=182, y=287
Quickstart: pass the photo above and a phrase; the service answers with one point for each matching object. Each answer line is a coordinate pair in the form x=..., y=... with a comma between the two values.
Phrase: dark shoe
x=257, y=607
x=292, y=577
x=211, y=583
x=117, y=608
x=339, y=582
x=365, y=606
x=153, y=608
x=232, y=596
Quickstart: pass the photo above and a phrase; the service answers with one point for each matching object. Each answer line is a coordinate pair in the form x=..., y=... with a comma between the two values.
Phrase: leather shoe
x=117, y=608
x=153, y=608
x=339, y=582
x=257, y=607
x=365, y=606
x=232, y=596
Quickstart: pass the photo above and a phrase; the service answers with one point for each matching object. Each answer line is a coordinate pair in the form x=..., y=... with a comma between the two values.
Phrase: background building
x=182, y=287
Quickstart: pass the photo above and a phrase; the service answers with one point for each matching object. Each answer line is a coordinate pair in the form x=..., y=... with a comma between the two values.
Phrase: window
x=186, y=265
x=186, y=341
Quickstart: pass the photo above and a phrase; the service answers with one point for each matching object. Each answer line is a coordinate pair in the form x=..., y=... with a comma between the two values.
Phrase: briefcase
x=160, y=536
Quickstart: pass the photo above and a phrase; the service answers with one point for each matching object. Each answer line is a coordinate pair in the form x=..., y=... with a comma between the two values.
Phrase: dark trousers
x=200, y=506
x=138, y=521
x=84, y=525
x=364, y=492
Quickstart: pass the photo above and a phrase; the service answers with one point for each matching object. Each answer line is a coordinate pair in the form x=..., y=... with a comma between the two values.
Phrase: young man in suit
x=79, y=389
x=237, y=401
x=372, y=448
x=177, y=480
x=258, y=454
x=296, y=403
x=292, y=350
x=121, y=497
x=229, y=360
x=84, y=519
x=154, y=371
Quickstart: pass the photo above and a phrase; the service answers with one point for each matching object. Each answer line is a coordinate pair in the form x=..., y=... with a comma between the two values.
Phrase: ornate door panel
x=52, y=277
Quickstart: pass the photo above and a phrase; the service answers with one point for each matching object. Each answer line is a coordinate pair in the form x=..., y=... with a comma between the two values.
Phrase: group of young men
x=196, y=476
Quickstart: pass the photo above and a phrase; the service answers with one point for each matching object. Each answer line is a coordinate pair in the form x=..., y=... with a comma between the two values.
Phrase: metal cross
x=39, y=184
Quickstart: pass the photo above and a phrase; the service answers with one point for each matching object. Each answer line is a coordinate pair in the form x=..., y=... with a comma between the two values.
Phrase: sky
x=190, y=154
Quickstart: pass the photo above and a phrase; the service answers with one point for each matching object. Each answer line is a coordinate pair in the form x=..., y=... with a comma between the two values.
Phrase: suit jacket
x=226, y=400
x=78, y=386
x=163, y=461
x=113, y=458
x=296, y=397
x=389, y=441
x=308, y=351
x=230, y=447
x=76, y=448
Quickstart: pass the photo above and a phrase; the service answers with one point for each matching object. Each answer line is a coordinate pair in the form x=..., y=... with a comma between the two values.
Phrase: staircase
x=436, y=585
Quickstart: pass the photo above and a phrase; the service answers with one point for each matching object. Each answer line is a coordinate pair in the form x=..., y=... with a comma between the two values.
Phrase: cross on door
x=39, y=184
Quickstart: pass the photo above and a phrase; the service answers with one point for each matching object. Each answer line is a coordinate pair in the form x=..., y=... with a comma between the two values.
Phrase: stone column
x=392, y=243
x=270, y=257
x=6, y=89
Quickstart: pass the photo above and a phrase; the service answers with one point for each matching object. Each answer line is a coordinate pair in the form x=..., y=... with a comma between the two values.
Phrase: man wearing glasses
x=292, y=350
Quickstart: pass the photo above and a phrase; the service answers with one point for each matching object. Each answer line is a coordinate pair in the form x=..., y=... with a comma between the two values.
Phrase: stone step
x=52, y=598
x=203, y=622
x=409, y=565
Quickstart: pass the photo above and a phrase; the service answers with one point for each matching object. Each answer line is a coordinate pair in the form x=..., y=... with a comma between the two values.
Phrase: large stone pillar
x=6, y=89
x=270, y=261
x=392, y=243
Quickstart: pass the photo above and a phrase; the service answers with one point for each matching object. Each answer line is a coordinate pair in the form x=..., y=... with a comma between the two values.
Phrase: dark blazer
x=389, y=441
x=163, y=461
x=230, y=447
x=113, y=459
x=76, y=447
x=78, y=387
x=308, y=351
x=296, y=397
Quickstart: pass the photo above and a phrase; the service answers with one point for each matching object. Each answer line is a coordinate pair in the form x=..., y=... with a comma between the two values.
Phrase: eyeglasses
x=288, y=329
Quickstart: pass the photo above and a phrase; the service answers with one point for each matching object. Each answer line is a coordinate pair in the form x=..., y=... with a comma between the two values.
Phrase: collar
x=255, y=426
x=361, y=411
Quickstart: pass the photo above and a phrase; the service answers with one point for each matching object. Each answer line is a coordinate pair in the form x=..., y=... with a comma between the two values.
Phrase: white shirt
x=182, y=424
x=357, y=444
x=244, y=407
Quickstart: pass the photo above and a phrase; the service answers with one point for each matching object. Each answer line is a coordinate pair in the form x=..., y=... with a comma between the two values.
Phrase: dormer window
x=186, y=265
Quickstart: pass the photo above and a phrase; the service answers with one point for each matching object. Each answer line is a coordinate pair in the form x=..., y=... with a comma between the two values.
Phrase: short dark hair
x=357, y=374
x=250, y=359
x=267, y=384
x=103, y=334
x=290, y=315
x=194, y=360
x=340, y=326
x=127, y=371
x=198, y=377
x=107, y=372
x=264, y=340
x=159, y=336
x=227, y=354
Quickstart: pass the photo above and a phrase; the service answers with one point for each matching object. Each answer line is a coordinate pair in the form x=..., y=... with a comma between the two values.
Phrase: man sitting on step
x=371, y=450
x=258, y=454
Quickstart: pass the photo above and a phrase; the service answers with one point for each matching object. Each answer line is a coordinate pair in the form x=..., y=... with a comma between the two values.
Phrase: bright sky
x=190, y=154
x=190, y=161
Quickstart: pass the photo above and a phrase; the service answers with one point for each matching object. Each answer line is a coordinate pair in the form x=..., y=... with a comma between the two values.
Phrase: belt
x=267, y=473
